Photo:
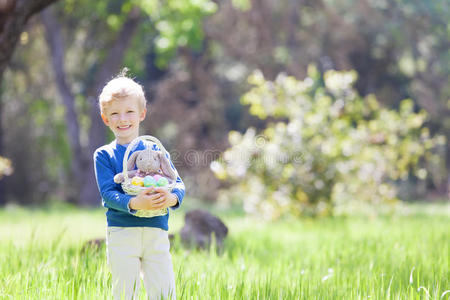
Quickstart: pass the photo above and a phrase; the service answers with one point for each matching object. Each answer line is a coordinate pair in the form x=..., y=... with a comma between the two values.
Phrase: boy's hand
x=165, y=198
x=153, y=198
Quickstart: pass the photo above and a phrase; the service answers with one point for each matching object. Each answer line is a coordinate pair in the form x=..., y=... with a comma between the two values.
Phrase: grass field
x=398, y=257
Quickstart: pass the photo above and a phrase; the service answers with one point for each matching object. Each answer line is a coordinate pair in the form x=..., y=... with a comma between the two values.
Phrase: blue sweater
x=108, y=161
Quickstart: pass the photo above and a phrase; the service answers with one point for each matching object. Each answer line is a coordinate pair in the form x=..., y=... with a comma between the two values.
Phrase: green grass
x=398, y=257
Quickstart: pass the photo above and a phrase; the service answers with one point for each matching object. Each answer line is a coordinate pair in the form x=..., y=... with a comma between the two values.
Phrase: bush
x=326, y=150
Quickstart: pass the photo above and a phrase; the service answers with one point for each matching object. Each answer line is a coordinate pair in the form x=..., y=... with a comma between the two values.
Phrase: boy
x=134, y=245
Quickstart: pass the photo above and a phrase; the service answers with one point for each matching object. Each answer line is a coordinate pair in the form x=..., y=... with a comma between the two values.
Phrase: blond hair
x=121, y=87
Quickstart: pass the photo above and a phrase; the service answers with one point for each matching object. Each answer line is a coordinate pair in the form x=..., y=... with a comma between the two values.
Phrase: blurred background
x=279, y=107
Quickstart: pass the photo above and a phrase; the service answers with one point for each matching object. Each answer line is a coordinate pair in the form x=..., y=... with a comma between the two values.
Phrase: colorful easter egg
x=162, y=181
x=138, y=181
x=157, y=177
x=149, y=181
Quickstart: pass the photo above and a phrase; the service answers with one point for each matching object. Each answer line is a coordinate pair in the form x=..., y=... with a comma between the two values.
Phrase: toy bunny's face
x=148, y=161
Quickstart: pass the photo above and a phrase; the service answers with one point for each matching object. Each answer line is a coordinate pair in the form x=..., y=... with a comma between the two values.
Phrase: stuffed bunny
x=148, y=162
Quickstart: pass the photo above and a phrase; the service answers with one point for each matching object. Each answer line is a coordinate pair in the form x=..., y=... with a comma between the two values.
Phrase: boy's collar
x=125, y=145
x=122, y=145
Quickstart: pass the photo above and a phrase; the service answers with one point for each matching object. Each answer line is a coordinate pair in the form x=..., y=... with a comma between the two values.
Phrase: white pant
x=134, y=251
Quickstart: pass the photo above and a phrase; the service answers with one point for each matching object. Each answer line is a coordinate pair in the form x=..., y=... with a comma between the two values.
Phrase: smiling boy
x=134, y=245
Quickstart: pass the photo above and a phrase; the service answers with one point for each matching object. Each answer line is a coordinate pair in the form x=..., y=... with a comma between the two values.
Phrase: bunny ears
x=166, y=168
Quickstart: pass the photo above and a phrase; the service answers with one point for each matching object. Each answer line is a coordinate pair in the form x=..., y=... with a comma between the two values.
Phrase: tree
x=14, y=15
x=124, y=20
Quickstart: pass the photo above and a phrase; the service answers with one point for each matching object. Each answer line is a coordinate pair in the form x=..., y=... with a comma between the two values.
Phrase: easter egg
x=149, y=181
x=157, y=177
x=162, y=181
x=138, y=181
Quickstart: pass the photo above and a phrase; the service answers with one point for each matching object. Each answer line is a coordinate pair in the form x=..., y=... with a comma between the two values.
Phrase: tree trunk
x=2, y=185
x=89, y=194
x=56, y=55
x=14, y=15
x=86, y=192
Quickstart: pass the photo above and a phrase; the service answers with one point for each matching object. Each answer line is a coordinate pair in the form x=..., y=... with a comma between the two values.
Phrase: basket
x=131, y=189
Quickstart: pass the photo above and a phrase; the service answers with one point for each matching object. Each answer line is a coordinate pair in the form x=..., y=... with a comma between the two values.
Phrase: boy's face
x=123, y=117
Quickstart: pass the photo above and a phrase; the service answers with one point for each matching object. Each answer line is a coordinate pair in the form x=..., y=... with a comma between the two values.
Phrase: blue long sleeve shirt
x=108, y=161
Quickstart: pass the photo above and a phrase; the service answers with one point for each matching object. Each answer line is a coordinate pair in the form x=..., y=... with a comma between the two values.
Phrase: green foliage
x=326, y=150
x=352, y=258
x=179, y=24
x=241, y=4
x=170, y=24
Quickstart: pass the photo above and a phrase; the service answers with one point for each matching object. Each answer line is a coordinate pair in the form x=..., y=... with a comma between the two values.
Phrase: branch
x=12, y=24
